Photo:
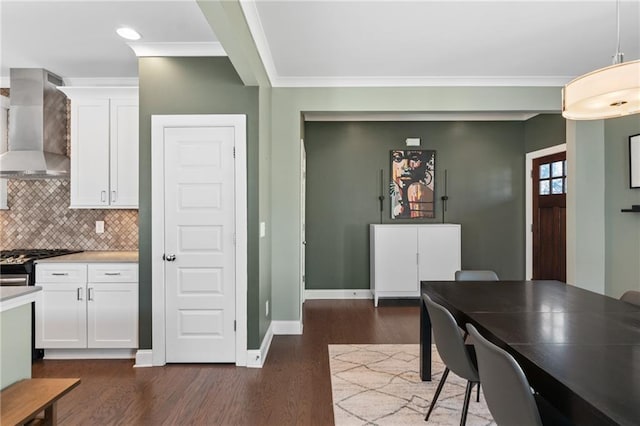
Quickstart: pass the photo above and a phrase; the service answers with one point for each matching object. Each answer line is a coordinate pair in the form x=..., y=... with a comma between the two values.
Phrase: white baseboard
x=338, y=294
x=144, y=358
x=286, y=327
x=89, y=353
x=257, y=357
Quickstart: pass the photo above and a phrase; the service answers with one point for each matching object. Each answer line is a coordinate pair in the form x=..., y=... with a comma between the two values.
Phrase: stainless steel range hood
x=37, y=127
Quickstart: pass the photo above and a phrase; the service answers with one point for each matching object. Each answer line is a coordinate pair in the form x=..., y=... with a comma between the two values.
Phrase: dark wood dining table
x=579, y=349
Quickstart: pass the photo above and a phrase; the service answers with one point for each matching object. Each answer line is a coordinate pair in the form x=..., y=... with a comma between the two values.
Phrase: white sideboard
x=403, y=255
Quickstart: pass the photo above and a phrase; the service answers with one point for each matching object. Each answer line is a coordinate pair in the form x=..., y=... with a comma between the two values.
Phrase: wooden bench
x=21, y=402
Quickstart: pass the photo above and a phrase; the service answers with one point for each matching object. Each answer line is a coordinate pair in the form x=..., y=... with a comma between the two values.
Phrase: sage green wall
x=485, y=169
x=15, y=345
x=585, y=205
x=196, y=86
x=264, y=183
x=289, y=103
x=622, y=230
x=544, y=131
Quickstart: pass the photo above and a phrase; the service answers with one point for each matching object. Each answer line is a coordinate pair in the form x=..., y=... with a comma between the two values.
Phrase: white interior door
x=199, y=231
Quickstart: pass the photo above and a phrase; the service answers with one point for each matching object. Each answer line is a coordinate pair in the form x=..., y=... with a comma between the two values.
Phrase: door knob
x=169, y=258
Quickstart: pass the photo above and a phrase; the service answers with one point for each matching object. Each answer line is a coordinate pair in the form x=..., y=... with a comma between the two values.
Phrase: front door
x=199, y=244
x=549, y=217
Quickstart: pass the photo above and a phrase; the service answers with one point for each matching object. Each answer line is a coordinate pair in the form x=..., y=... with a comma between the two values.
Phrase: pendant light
x=608, y=92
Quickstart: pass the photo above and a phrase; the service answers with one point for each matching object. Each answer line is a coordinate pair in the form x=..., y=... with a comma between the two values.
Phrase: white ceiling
x=338, y=43
x=77, y=39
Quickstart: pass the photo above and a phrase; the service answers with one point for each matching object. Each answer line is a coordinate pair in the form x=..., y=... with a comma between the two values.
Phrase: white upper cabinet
x=104, y=147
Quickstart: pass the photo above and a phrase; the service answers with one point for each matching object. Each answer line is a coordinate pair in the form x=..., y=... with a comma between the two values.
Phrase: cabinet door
x=439, y=248
x=89, y=153
x=61, y=316
x=396, y=250
x=124, y=153
x=112, y=312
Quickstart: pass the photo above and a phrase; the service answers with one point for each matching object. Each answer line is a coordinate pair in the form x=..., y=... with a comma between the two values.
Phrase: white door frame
x=158, y=124
x=303, y=224
x=528, y=169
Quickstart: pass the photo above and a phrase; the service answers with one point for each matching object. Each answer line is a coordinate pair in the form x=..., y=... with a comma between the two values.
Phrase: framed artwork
x=412, y=184
x=634, y=161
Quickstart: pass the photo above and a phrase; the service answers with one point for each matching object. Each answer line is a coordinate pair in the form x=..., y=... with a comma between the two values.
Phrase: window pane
x=556, y=186
x=544, y=171
x=556, y=169
x=565, y=185
x=544, y=187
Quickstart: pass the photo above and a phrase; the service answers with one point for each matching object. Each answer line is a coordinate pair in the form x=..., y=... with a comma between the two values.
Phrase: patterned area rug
x=380, y=385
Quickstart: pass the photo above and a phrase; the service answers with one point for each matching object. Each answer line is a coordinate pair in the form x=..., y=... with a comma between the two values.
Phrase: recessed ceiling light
x=128, y=33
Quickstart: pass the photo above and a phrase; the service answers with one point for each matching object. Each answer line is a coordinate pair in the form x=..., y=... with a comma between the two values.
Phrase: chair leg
x=435, y=397
x=465, y=406
x=478, y=396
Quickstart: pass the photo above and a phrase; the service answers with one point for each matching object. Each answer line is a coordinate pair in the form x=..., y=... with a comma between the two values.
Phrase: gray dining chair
x=506, y=389
x=455, y=355
x=631, y=296
x=476, y=275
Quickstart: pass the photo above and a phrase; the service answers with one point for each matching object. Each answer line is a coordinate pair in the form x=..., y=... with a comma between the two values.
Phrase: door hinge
x=234, y=325
x=303, y=278
x=532, y=227
x=531, y=174
x=234, y=152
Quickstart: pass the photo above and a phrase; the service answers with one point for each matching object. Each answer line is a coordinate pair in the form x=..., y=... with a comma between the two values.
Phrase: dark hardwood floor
x=293, y=387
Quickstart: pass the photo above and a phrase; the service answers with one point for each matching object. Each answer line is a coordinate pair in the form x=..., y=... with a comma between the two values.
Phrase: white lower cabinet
x=96, y=308
x=403, y=255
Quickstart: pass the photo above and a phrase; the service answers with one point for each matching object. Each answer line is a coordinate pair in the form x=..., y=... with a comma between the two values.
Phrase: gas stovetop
x=23, y=256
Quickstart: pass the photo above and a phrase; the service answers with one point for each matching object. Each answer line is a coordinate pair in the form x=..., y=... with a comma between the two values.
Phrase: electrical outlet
x=267, y=306
x=99, y=226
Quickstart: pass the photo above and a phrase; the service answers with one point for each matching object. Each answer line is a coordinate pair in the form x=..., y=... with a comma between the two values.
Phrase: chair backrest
x=505, y=386
x=631, y=296
x=470, y=275
x=449, y=341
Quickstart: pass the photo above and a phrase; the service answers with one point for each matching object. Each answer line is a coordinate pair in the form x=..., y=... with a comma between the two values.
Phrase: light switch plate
x=99, y=226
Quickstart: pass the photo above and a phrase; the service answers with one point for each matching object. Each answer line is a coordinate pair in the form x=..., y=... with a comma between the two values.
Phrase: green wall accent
x=585, y=205
x=622, y=230
x=196, y=86
x=15, y=345
x=485, y=168
x=544, y=131
x=288, y=105
x=264, y=182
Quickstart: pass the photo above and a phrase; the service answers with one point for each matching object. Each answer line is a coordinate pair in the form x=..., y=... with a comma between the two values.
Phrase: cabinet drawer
x=113, y=273
x=61, y=273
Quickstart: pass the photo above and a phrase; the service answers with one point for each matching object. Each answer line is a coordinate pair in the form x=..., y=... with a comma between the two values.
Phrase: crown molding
x=419, y=116
x=462, y=81
x=177, y=49
x=101, y=81
x=88, y=81
x=252, y=17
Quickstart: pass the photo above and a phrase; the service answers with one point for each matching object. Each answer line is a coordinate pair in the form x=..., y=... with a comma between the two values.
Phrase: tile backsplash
x=39, y=217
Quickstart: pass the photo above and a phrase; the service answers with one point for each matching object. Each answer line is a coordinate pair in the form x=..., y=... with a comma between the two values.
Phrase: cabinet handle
x=90, y=294
x=79, y=293
x=103, y=196
x=60, y=274
x=112, y=273
x=113, y=196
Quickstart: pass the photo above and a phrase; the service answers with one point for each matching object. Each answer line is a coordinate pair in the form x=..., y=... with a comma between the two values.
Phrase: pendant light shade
x=609, y=92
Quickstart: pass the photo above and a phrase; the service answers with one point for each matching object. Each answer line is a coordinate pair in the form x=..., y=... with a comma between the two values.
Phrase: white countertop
x=94, y=256
x=14, y=296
